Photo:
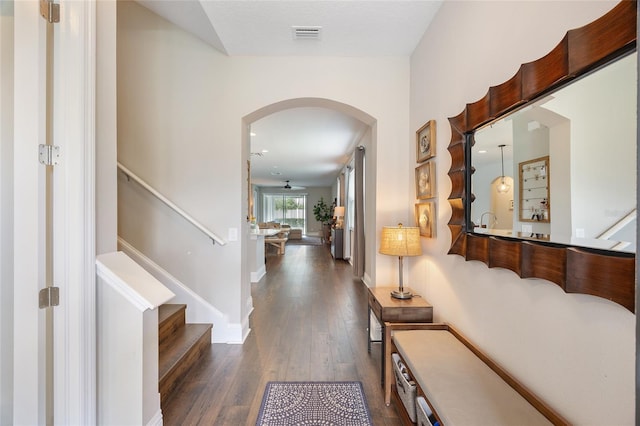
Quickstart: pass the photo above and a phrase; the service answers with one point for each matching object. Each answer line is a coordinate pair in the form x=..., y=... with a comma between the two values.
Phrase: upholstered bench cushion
x=462, y=389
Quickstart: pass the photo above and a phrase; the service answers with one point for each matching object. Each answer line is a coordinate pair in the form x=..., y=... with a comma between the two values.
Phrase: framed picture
x=425, y=180
x=426, y=141
x=426, y=218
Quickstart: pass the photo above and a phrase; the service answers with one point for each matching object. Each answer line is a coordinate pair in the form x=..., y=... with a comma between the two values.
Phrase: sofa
x=295, y=234
x=292, y=233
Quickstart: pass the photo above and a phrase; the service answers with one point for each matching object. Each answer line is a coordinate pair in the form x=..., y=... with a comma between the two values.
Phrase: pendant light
x=503, y=186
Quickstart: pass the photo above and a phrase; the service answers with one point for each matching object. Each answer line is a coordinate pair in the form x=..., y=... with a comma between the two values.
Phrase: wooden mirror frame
x=606, y=274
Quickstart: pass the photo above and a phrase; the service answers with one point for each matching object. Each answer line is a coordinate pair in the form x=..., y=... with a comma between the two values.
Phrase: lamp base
x=401, y=294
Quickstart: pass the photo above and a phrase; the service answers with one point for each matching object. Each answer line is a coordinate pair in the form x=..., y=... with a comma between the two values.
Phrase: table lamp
x=400, y=241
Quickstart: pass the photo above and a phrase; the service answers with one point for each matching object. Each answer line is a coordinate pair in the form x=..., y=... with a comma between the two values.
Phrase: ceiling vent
x=306, y=33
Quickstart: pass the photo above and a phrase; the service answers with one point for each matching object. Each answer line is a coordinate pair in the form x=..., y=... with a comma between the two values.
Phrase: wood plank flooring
x=309, y=323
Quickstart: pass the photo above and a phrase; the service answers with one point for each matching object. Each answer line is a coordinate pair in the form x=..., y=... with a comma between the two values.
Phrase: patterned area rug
x=306, y=241
x=314, y=403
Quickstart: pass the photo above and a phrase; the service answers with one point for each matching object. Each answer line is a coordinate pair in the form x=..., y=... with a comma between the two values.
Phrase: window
x=286, y=209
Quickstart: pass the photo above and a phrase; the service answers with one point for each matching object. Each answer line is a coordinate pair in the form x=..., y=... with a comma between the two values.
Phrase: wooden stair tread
x=174, y=349
x=167, y=310
x=171, y=317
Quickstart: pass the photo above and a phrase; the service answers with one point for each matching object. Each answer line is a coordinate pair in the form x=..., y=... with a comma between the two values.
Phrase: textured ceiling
x=305, y=151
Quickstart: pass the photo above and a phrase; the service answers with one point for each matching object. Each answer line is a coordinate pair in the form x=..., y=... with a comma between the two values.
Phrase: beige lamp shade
x=400, y=241
x=338, y=211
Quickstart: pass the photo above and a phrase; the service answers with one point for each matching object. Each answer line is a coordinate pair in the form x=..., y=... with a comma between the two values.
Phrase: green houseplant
x=323, y=213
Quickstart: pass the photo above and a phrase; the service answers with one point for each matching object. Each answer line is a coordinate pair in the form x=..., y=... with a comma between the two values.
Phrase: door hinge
x=49, y=297
x=50, y=11
x=49, y=154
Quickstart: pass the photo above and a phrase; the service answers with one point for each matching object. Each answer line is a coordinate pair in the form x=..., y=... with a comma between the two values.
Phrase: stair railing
x=130, y=175
x=616, y=227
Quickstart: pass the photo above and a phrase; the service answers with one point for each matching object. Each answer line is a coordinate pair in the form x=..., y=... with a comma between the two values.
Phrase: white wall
x=6, y=213
x=530, y=145
x=106, y=128
x=575, y=351
x=180, y=111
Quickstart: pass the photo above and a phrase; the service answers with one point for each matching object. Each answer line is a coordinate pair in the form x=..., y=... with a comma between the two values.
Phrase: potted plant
x=323, y=213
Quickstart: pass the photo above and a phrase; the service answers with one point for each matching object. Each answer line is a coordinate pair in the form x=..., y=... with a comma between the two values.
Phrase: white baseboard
x=198, y=309
x=257, y=276
x=236, y=330
x=366, y=279
x=156, y=420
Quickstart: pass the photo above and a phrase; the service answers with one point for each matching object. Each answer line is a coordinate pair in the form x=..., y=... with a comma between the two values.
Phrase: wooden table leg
x=388, y=376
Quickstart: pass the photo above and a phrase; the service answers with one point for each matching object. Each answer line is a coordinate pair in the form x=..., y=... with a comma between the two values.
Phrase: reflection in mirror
x=585, y=191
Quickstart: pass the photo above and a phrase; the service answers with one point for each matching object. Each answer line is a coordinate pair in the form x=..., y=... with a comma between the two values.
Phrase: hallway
x=308, y=324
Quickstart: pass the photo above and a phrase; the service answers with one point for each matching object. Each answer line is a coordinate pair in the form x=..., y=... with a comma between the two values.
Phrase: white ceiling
x=308, y=145
x=305, y=146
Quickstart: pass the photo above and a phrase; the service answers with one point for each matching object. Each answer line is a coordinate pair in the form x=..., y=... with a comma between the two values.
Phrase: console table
x=392, y=310
x=337, y=243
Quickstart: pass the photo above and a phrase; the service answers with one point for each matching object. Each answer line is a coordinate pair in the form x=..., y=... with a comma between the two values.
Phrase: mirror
x=568, y=165
x=559, y=255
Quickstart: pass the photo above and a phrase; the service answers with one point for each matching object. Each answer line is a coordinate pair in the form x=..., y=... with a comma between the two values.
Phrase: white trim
x=245, y=329
x=257, y=275
x=156, y=420
x=132, y=281
x=74, y=214
x=366, y=279
x=6, y=214
x=242, y=330
x=198, y=309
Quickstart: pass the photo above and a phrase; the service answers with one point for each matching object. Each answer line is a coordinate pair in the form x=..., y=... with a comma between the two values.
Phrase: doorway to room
x=271, y=178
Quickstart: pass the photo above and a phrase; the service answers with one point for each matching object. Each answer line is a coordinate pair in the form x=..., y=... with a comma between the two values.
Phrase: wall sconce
x=400, y=241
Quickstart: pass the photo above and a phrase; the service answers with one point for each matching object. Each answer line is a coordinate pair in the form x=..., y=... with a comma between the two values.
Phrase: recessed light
x=484, y=151
x=265, y=151
x=252, y=134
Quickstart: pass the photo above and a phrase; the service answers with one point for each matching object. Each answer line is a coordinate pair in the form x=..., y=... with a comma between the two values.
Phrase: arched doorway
x=367, y=139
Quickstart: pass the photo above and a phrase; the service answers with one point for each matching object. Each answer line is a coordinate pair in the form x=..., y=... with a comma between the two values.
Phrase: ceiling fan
x=288, y=186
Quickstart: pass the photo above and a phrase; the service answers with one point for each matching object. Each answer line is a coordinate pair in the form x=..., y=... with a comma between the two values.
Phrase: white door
x=53, y=349
x=31, y=370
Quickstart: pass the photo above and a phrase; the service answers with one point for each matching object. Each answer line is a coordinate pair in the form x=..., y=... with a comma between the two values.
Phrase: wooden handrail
x=215, y=238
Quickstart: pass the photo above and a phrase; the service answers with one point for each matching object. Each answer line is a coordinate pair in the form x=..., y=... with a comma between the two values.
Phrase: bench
x=460, y=384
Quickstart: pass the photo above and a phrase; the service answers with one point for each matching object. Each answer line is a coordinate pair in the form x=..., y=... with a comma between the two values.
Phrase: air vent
x=306, y=33
x=257, y=154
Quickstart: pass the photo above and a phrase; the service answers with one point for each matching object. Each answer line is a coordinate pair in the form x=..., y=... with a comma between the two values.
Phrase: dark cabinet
x=337, y=243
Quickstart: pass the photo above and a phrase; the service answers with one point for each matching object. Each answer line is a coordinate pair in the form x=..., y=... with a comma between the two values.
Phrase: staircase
x=181, y=346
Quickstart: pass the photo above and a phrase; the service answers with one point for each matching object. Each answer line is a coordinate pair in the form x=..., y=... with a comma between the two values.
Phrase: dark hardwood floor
x=309, y=323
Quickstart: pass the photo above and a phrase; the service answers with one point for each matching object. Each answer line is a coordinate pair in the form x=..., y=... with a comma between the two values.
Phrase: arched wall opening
x=369, y=141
